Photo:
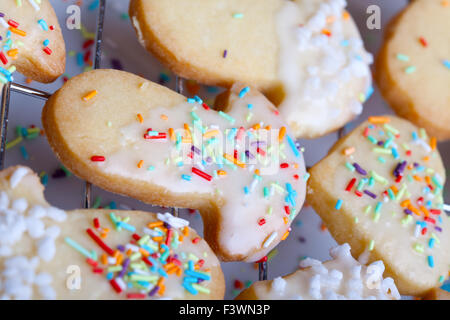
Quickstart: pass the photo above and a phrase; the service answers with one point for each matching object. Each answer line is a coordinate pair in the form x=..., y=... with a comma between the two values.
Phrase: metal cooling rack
x=38, y=94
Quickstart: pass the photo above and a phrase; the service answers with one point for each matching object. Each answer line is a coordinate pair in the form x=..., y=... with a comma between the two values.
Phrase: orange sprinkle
x=140, y=164
x=104, y=259
x=405, y=203
x=211, y=133
x=414, y=209
x=141, y=120
x=326, y=32
x=18, y=31
x=379, y=119
x=345, y=15
x=164, y=117
x=285, y=235
x=425, y=211
x=235, y=161
x=90, y=95
x=12, y=53
x=348, y=151
x=433, y=143
x=171, y=134
x=155, y=224
x=221, y=172
x=282, y=133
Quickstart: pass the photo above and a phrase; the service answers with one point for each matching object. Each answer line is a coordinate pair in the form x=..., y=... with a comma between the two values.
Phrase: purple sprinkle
x=249, y=155
x=116, y=64
x=359, y=169
x=370, y=194
x=407, y=211
x=153, y=291
x=225, y=52
x=124, y=267
x=438, y=228
x=195, y=149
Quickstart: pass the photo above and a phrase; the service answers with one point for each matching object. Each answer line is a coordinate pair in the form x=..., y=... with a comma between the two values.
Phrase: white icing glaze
x=331, y=71
x=340, y=278
x=240, y=231
x=17, y=176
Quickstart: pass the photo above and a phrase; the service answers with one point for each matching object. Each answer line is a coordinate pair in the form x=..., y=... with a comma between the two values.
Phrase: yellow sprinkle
x=90, y=95
x=379, y=120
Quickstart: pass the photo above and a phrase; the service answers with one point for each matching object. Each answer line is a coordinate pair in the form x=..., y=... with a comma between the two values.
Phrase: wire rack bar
x=87, y=197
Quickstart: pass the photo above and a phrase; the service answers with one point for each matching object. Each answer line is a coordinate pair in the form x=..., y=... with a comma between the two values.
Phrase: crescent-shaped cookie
x=307, y=55
x=239, y=166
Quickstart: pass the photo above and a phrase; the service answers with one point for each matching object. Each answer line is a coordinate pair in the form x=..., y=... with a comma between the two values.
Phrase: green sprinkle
x=410, y=69
x=402, y=57
x=349, y=166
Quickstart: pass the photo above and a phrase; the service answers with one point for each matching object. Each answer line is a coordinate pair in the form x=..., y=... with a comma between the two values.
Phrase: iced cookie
x=240, y=166
x=413, y=66
x=307, y=55
x=380, y=190
x=339, y=279
x=437, y=294
x=47, y=253
x=31, y=41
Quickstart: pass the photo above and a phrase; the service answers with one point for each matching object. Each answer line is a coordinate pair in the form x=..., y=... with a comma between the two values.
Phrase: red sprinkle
x=96, y=223
x=13, y=23
x=136, y=236
x=47, y=50
x=97, y=158
x=201, y=174
x=115, y=286
x=423, y=42
x=3, y=58
x=136, y=296
x=99, y=241
x=287, y=210
x=263, y=259
x=350, y=184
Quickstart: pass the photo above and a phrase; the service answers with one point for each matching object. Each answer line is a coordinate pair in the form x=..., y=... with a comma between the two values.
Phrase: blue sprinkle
x=244, y=92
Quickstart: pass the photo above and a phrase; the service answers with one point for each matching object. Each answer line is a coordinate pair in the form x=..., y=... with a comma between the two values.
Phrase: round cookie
x=307, y=55
x=239, y=166
x=31, y=41
x=380, y=189
x=342, y=278
x=47, y=253
x=413, y=65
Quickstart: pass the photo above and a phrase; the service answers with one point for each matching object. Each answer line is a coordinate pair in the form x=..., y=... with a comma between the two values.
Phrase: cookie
x=47, y=253
x=380, y=189
x=239, y=166
x=31, y=41
x=342, y=278
x=413, y=65
x=306, y=56
x=437, y=294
